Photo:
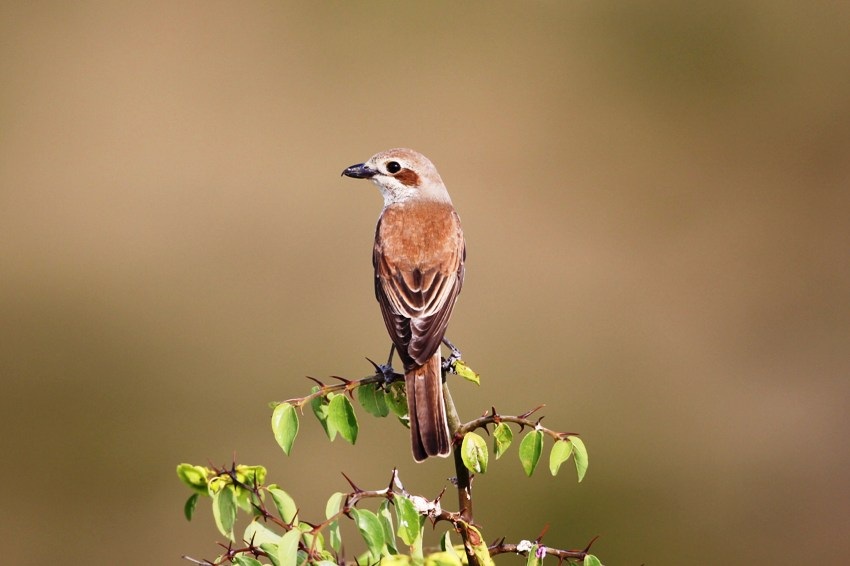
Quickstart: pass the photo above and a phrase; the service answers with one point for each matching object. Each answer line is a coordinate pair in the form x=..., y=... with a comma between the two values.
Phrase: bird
x=418, y=257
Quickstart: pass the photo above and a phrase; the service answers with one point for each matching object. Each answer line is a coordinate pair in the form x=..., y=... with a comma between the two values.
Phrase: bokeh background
x=656, y=200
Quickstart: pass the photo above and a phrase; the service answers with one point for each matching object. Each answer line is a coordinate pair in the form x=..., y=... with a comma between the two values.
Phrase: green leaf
x=396, y=399
x=341, y=417
x=242, y=560
x=529, y=451
x=409, y=520
x=370, y=529
x=224, y=511
x=218, y=483
x=332, y=508
x=445, y=541
x=591, y=560
x=531, y=559
x=474, y=453
x=443, y=559
x=395, y=560
x=194, y=476
x=447, y=546
x=387, y=524
x=271, y=550
x=479, y=547
x=251, y=475
x=287, y=548
x=320, y=409
x=259, y=534
x=579, y=455
x=373, y=399
x=335, y=501
x=285, y=426
x=285, y=504
x=502, y=438
x=315, y=541
x=561, y=450
x=466, y=372
x=244, y=499
x=189, y=507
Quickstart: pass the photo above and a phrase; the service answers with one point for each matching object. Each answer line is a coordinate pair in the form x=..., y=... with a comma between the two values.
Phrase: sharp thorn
x=542, y=534
x=393, y=480
x=532, y=411
x=440, y=496
x=376, y=366
x=351, y=483
x=587, y=548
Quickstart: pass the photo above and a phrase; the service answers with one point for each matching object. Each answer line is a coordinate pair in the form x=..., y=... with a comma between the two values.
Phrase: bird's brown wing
x=417, y=297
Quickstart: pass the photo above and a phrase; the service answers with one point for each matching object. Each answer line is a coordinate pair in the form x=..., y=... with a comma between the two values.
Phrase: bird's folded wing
x=417, y=303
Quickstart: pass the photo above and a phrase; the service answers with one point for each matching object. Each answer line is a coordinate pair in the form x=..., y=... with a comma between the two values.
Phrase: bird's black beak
x=360, y=171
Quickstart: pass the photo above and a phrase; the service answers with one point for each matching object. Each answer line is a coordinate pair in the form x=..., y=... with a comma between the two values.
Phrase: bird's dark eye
x=393, y=167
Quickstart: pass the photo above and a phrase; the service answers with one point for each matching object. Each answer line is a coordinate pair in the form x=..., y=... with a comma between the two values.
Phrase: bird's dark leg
x=386, y=370
x=448, y=363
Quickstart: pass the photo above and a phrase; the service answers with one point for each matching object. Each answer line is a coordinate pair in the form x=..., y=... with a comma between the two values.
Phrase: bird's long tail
x=429, y=429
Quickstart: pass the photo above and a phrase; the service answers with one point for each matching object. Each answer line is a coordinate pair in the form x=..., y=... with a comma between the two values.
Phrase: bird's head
x=402, y=175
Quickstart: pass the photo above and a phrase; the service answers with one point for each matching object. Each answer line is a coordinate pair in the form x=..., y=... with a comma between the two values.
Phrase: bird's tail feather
x=429, y=429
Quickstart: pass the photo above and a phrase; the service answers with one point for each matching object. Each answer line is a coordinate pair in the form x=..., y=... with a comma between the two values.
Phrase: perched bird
x=419, y=258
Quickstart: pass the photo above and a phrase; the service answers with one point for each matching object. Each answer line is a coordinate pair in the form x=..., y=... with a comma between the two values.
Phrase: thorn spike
x=587, y=548
x=351, y=483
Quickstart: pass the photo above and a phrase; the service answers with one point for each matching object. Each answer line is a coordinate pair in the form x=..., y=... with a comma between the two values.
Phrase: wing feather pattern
x=418, y=257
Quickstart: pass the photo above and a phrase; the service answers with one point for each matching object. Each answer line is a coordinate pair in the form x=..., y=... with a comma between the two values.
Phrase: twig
x=522, y=420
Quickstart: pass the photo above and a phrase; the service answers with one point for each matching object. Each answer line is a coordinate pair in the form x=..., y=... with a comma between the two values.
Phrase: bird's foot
x=449, y=363
x=387, y=372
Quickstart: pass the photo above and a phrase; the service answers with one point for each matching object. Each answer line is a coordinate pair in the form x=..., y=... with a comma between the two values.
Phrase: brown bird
x=419, y=258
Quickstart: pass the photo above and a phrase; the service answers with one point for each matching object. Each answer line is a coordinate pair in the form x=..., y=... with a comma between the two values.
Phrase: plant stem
x=464, y=482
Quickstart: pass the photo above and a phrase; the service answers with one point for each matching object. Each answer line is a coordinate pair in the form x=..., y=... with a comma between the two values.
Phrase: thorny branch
x=524, y=547
x=460, y=520
x=384, y=375
x=522, y=420
x=256, y=495
x=430, y=508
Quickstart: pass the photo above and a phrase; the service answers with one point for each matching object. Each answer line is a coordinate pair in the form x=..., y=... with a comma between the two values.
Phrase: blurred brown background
x=655, y=196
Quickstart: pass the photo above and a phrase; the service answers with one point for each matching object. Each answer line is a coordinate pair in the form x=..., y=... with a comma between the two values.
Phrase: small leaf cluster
x=475, y=454
x=334, y=410
x=392, y=533
x=228, y=489
x=380, y=395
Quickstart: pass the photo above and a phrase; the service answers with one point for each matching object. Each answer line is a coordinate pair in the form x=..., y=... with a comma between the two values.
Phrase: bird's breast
x=419, y=236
